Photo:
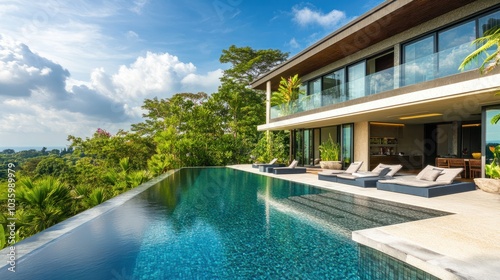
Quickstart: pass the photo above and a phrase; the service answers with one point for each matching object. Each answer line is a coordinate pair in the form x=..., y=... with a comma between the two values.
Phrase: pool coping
x=463, y=245
x=38, y=241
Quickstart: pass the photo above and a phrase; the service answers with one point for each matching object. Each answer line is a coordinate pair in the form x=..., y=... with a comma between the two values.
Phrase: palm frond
x=490, y=39
x=495, y=118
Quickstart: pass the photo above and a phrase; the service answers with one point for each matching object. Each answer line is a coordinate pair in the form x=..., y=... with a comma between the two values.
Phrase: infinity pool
x=218, y=223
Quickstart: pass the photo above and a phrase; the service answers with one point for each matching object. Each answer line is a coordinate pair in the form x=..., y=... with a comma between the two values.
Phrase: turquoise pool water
x=219, y=223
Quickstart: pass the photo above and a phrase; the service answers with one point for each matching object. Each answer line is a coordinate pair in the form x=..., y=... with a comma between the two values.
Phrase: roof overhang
x=382, y=22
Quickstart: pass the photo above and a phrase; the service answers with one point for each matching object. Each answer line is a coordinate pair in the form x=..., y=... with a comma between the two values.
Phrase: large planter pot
x=488, y=185
x=330, y=164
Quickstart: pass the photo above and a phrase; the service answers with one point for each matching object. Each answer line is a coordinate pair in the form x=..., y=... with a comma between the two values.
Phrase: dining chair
x=474, y=168
x=442, y=162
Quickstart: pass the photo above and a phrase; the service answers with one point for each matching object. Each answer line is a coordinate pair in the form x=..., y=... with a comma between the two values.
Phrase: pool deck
x=465, y=245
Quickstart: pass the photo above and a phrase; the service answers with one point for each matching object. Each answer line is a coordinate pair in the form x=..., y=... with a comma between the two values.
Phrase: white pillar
x=268, y=102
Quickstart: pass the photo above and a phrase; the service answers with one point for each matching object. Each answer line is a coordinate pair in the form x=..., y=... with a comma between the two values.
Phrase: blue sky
x=70, y=67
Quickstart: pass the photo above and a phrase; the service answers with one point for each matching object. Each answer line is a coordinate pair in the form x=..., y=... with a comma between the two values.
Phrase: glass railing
x=438, y=65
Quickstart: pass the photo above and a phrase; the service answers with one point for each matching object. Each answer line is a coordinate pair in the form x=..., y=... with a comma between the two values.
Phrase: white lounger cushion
x=331, y=172
x=412, y=181
x=353, y=167
x=424, y=178
x=394, y=168
x=447, y=174
x=366, y=174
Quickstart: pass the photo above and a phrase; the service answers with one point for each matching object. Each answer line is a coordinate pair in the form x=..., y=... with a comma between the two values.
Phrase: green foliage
x=112, y=148
x=330, y=150
x=242, y=110
x=44, y=203
x=3, y=237
x=248, y=64
x=96, y=197
x=272, y=145
x=496, y=118
x=492, y=170
x=490, y=39
x=51, y=166
x=288, y=91
x=287, y=95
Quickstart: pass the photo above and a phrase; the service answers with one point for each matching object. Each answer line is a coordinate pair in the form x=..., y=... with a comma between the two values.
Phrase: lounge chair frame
x=433, y=191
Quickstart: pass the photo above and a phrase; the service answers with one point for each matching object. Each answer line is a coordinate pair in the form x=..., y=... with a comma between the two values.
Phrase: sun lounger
x=331, y=175
x=269, y=167
x=430, y=182
x=256, y=165
x=291, y=169
x=369, y=179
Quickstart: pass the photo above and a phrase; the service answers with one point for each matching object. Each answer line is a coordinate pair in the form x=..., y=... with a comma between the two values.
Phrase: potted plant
x=330, y=154
x=492, y=170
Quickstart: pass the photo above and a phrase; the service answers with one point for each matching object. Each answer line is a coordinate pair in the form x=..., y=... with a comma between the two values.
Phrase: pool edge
x=35, y=242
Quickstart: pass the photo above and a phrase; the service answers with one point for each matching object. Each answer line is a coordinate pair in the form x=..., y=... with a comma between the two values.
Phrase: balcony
x=423, y=69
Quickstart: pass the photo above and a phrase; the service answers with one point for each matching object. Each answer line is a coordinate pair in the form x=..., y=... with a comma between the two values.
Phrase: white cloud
x=305, y=16
x=138, y=6
x=207, y=83
x=294, y=44
x=40, y=97
x=155, y=73
x=22, y=71
x=8, y=8
x=131, y=35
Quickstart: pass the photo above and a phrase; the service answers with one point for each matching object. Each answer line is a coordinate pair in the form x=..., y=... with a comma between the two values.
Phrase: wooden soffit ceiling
x=384, y=21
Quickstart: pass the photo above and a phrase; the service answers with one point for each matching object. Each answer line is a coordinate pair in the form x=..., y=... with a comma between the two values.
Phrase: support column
x=268, y=102
x=397, y=66
x=362, y=144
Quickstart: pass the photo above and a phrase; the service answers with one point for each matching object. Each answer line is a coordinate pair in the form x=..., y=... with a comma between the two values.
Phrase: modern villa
x=387, y=87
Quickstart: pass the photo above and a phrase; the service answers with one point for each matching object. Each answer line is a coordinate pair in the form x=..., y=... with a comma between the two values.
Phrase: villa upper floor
x=399, y=47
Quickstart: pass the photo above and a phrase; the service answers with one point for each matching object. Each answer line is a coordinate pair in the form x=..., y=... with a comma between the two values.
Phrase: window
x=333, y=87
x=314, y=87
x=489, y=21
x=314, y=92
x=441, y=53
x=380, y=70
x=347, y=144
x=418, y=61
x=454, y=44
x=485, y=23
x=356, y=80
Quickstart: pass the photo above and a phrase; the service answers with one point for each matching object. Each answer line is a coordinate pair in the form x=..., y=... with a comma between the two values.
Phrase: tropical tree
x=112, y=148
x=243, y=108
x=272, y=144
x=45, y=202
x=491, y=39
x=249, y=64
x=51, y=165
x=96, y=197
